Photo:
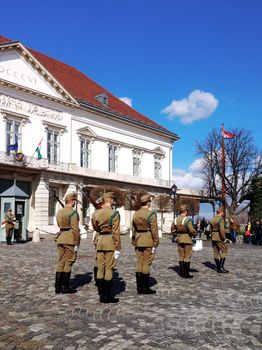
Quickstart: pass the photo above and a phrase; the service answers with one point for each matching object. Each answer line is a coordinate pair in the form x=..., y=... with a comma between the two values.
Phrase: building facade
x=60, y=132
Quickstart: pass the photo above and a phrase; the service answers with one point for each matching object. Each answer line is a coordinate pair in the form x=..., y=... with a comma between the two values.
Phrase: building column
x=40, y=202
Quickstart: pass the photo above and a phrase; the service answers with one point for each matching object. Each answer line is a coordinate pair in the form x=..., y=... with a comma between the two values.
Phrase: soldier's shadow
x=119, y=286
x=80, y=280
x=209, y=265
x=176, y=269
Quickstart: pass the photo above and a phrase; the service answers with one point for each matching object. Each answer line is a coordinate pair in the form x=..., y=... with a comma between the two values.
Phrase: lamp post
x=173, y=197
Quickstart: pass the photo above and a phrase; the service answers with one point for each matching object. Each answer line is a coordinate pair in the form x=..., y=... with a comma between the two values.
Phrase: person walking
x=68, y=242
x=184, y=229
x=9, y=226
x=218, y=237
x=145, y=239
x=106, y=221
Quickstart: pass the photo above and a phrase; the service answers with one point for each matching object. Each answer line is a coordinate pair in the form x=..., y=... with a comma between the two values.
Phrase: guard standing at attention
x=218, y=237
x=68, y=241
x=145, y=239
x=9, y=226
x=106, y=221
x=183, y=229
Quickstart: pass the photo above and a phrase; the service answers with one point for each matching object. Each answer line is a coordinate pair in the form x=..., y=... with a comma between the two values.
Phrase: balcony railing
x=63, y=167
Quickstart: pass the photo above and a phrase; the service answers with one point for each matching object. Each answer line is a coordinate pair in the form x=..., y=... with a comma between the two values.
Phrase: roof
x=85, y=90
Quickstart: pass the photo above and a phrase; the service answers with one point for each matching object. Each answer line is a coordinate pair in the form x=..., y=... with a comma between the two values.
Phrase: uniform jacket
x=145, y=230
x=107, y=220
x=217, y=225
x=184, y=228
x=68, y=218
x=9, y=221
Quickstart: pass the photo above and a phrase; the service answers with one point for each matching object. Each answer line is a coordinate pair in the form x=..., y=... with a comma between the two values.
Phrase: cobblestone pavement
x=210, y=311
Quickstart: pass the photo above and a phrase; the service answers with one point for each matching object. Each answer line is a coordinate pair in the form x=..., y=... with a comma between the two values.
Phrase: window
x=53, y=146
x=103, y=99
x=13, y=135
x=136, y=163
x=158, y=166
x=112, y=158
x=84, y=153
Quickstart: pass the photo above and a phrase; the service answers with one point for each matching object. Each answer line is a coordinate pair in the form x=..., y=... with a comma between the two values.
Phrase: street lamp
x=173, y=196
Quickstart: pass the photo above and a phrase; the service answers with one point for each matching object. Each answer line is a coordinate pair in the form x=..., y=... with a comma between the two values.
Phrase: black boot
x=182, y=269
x=7, y=240
x=66, y=280
x=108, y=297
x=139, y=283
x=145, y=281
x=187, y=268
x=100, y=288
x=58, y=282
x=218, y=265
x=95, y=274
x=10, y=240
x=222, y=261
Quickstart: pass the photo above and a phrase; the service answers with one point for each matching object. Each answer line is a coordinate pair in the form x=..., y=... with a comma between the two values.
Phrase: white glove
x=76, y=248
x=117, y=254
x=153, y=250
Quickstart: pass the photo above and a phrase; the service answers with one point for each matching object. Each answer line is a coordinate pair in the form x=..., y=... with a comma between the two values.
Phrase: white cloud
x=197, y=105
x=127, y=100
x=190, y=178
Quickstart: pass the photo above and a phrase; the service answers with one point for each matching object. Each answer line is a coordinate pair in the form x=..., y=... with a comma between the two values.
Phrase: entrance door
x=20, y=226
x=6, y=203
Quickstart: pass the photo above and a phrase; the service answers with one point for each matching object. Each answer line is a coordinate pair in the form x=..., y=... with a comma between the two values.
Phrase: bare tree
x=163, y=204
x=243, y=163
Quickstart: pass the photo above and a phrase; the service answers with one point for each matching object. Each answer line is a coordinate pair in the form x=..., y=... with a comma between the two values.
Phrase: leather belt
x=65, y=229
x=141, y=231
x=105, y=233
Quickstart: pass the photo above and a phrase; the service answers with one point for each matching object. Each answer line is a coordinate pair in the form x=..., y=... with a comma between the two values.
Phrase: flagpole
x=223, y=173
x=35, y=149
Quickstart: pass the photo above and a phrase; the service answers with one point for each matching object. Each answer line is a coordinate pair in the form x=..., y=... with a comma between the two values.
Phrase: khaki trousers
x=66, y=257
x=144, y=259
x=220, y=249
x=9, y=231
x=105, y=264
x=184, y=251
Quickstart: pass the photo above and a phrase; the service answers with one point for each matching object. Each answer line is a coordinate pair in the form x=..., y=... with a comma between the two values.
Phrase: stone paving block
x=209, y=312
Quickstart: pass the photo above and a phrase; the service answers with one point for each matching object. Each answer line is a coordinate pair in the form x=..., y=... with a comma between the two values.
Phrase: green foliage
x=256, y=199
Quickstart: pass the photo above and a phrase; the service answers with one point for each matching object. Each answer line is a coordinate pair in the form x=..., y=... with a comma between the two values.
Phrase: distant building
x=86, y=137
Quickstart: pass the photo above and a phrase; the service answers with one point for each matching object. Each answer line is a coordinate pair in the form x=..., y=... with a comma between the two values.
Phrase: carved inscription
x=9, y=72
x=16, y=105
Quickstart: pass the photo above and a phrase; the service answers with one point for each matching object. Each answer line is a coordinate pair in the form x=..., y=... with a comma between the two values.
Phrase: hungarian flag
x=38, y=150
x=228, y=135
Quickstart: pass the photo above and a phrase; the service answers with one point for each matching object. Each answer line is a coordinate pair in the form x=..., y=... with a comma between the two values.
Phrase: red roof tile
x=83, y=88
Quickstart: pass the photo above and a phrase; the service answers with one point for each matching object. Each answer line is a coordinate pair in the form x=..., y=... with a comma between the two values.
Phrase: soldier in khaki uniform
x=106, y=222
x=220, y=249
x=9, y=226
x=183, y=229
x=68, y=241
x=145, y=239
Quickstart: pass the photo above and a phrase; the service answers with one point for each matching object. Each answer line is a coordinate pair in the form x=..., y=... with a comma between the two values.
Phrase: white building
x=87, y=137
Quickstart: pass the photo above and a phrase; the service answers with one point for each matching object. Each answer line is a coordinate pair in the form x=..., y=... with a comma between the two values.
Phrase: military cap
x=183, y=207
x=219, y=210
x=145, y=198
x=108, y=195
x=71, y=196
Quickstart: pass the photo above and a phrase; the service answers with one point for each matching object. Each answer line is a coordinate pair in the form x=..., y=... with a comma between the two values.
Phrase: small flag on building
x=38, y=150
x=14, y=147
x=228, y=135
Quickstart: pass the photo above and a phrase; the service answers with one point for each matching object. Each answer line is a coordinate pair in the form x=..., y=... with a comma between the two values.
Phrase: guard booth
x=15, y=196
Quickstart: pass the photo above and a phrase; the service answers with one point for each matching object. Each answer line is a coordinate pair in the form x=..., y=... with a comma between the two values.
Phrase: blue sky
x=204, y=55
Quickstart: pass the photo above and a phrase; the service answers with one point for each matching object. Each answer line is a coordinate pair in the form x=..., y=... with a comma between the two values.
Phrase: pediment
x=159, y=151
x=86, y=132
x=19, y=67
